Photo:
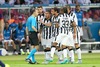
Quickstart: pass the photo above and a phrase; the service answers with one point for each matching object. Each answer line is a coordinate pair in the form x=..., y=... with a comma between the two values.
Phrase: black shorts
x=33, y=38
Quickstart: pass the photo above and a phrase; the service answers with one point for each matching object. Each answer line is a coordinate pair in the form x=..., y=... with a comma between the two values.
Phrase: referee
x=31, y=32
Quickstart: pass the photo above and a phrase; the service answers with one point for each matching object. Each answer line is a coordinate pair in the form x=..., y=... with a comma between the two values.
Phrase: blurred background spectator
x=45, y=1
x=2, y=2
x=87, y=18
x=83, y=1
x=95, y=1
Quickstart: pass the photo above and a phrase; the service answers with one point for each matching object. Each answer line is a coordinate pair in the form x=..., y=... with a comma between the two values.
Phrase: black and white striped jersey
x=65, y=24
x=40, y=16
x=55, y=19
x=46, y=31
x=73, y=18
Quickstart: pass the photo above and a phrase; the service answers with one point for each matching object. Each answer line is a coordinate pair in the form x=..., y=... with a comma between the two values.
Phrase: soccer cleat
x=15, y=53
x=50, y=60
x=45, y=62
x=64, y=61
x=27, y=60
x=22, y=53
x=79, y=62
x=58, y=62
x=7, y=65
x=27, y=53
x=30, y=62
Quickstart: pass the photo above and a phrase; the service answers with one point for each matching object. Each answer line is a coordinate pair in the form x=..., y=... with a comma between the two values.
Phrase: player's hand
x=40, y=21
x=57, y=25
x=74, y=35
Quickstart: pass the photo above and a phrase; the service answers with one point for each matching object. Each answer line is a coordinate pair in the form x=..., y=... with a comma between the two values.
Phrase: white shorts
x=9, y=42
x=20, y=39
x=46, y=42
x=54, y=39
x=81, y=31
x=65, y=39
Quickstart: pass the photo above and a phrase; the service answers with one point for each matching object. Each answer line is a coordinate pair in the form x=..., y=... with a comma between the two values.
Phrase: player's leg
x=25, y=46
x=43, y=43
x=58, y=52
x=5, y=42
x=14, y=46
x=64, y=49
x=77, y=46
x=54, y=45
x=70, y=46
x=34, y=42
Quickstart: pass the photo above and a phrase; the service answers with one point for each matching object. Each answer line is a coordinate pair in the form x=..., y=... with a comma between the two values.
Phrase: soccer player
x=40, y=17
x=7, y=33
x=20, y=38
x=65, y=36
x=73, y=18
x=79, y=14
x=46, y=38
x=55, y=22
x=31, y=32
x=80, y=25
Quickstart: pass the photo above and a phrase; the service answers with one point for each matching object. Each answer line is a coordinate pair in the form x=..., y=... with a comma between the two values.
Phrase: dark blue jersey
x=79, y=17
x=7, y=34
x=13, y=26
x=20, y=33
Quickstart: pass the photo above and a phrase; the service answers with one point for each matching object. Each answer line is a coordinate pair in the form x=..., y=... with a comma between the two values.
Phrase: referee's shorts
x=33, y=38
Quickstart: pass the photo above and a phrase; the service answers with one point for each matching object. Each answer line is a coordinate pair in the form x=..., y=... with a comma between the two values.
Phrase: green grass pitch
x=89, y=60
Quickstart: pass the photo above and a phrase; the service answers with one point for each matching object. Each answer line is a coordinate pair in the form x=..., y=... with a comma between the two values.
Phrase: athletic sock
x=64, y=51
x=78, y=51
x=33, y=51
x=53, y=48
x=72, y=54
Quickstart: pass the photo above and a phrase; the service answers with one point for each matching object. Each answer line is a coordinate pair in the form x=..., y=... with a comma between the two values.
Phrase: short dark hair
x=56, y=9
x=40, y=7
x=68, y=6
x=48, y=10
x=77, y=5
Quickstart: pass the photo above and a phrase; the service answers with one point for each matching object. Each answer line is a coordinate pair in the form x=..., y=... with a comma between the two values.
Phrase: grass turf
x=89, y=60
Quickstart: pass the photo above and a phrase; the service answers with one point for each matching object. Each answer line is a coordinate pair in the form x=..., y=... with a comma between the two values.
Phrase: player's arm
x=57, y=22
x=34, y=25
x=11, y=34
x=74, y=27
x=46, y=24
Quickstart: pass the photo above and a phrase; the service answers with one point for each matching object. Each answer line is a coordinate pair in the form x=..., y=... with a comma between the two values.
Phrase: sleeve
x=34, y=22
x=75, y=19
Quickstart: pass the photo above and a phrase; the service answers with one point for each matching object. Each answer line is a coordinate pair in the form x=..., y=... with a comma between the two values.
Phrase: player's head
x=62, y=10
x=56, y=10
x=77, y=7
x=68, y=8
x=20, y=25
x=47, y=14
x=6, y=25
x=40, y=9
x=52, y=11
x=34, y=11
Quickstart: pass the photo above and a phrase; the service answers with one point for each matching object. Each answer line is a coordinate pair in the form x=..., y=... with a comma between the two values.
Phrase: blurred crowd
x=29, y=2
x=21, y=15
